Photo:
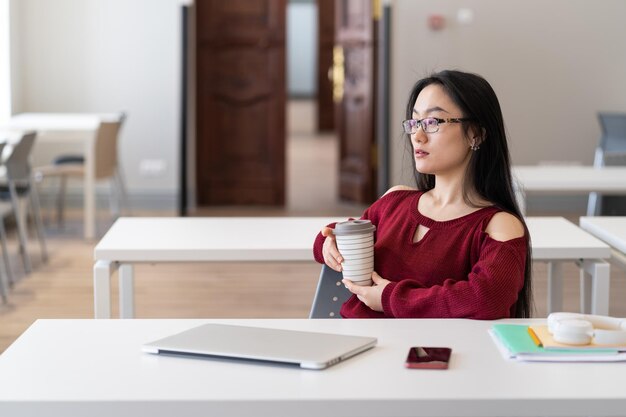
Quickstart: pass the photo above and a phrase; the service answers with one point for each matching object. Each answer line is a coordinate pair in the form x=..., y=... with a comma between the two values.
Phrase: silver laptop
x=305, y=349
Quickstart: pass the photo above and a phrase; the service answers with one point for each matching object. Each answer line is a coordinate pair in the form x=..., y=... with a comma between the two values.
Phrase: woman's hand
x=331, y=254
x=370, y=296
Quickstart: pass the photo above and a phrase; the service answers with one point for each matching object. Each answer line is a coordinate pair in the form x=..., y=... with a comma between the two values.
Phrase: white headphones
x=582, y=329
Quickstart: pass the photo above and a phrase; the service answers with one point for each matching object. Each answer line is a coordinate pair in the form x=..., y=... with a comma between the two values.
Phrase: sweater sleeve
x=318, y=244
x=491, y=288
x=368, y=214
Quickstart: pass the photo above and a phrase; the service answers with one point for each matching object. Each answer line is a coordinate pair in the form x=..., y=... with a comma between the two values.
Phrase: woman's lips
x=420, y=153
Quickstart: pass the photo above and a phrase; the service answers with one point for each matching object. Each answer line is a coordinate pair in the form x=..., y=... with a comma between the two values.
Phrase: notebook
x=305, y=349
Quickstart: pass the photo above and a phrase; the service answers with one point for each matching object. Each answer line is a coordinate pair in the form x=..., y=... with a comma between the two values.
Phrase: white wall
x=5, y=68
x=106, y=56
x=554, y=64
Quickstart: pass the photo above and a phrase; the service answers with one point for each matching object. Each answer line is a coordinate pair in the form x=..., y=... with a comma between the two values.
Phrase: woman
x=457, y=246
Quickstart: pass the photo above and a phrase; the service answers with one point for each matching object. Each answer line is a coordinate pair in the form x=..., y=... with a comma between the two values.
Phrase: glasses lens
x=430, y=125
x=410, y=126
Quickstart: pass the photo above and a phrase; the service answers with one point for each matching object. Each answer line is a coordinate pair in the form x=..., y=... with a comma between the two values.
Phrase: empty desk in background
x=70, y=127
x=567, y=180
x=556, y=240
x=71, y=368
x=195, y=239
x=208, y=239
x=611, y=230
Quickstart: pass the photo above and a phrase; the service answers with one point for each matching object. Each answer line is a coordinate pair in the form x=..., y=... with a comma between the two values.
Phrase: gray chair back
x=17, y=164
x=611, y=150
x=613, y=138
x=330, y=295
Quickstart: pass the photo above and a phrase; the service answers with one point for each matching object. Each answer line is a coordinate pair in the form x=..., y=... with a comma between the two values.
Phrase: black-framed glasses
x=428, y=124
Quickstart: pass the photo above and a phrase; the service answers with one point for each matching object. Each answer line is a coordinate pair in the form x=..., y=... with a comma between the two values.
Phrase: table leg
x=89, y=199
x=102, y=271
x=127, y=291
x=599, y=272
x=585, y=290
x=555, y=286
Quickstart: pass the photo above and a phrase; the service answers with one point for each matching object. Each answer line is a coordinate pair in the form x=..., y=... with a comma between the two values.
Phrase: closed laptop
x=308, y=350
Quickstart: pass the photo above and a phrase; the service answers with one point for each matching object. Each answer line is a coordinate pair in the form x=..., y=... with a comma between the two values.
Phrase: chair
x=329, y=296
x=19, y=184
x=610, y=151
x=6, y=277
x=106, y=167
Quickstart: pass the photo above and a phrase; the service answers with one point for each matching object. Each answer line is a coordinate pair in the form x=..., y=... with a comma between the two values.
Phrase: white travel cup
x=355, y=241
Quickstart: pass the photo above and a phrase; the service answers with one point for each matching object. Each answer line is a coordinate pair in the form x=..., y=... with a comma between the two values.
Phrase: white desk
x=567, y=180
x=611, y=230
x=96, y=368
x=195, y=239
x=76, y=127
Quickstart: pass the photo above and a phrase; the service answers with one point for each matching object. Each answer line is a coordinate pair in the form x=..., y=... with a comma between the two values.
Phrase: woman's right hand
x=331, y=254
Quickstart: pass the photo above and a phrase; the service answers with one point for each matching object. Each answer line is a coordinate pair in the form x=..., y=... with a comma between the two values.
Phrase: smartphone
x=421, y=357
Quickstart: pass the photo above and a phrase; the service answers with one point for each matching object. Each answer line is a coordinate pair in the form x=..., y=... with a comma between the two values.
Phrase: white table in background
x=207, y=239
x=195, y=239
x=566, y=179
x=612, y=230
x=74, y=127
x=96, y=368
x=556, y=240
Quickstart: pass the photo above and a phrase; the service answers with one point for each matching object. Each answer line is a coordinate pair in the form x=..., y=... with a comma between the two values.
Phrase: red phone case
x=420, y=357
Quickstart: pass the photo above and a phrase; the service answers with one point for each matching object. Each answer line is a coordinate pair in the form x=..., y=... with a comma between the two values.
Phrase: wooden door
x=241, y=88
x=325, y=44
x=355, y=118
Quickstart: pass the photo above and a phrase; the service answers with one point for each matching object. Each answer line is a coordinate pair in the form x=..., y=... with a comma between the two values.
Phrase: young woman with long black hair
x=456, y=245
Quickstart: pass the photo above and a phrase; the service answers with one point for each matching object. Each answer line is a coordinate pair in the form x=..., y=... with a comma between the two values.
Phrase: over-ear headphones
x=582, y=329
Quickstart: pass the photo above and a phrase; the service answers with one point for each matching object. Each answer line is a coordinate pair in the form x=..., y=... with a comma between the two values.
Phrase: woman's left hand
x=370, y=296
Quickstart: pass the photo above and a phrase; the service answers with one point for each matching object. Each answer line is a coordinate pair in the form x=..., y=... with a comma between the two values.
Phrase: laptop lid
x=306, y=349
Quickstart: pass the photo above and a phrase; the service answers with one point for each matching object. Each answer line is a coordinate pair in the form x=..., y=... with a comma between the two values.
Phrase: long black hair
x=488, y=172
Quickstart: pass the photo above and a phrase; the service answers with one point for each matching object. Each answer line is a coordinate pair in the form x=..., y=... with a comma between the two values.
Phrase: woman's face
x=446, y=151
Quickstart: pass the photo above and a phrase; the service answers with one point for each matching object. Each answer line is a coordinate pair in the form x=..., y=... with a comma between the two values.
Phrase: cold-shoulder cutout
x=400, y=188
x=504, y=226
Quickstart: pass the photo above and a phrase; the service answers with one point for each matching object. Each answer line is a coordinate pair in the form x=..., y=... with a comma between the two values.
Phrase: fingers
x=326, y=231
x=376, y=278
x=331, y=260
x=353, y=288
x=331, y=254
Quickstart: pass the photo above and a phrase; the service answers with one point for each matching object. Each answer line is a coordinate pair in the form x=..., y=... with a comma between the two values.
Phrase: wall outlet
x=152, y=167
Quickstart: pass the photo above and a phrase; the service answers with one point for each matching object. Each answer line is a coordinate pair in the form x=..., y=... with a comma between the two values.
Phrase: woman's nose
x=419, y=136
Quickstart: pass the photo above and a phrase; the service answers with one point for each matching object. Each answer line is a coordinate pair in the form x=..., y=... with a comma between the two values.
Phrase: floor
x=62, y=288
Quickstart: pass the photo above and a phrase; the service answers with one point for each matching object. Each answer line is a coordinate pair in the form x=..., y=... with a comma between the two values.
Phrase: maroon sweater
x=455, y=271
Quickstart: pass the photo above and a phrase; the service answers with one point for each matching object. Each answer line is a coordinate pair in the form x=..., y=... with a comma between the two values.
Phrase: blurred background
x=249, y=65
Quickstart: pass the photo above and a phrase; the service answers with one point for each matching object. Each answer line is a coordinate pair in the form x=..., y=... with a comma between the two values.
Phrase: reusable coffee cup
x=355, y=241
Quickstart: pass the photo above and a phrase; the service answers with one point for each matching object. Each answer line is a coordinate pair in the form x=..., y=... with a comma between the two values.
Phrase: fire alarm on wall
x=436, y=21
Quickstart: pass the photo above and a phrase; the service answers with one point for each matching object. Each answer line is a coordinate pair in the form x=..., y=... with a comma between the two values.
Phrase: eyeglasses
x=428, y=124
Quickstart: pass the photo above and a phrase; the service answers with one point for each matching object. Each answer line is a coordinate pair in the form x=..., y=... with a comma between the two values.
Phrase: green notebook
x=517, y=340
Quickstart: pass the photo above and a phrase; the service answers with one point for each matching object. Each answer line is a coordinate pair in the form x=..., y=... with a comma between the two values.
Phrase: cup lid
x=354, y=227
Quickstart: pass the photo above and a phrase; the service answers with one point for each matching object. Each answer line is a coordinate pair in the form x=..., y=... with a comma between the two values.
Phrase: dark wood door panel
x=355, y=113
x=325, y=44
x=241, y=93
x=248, y=22
x=354, y=21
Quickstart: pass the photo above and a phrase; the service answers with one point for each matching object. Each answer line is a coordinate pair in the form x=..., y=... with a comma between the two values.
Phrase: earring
x=474, y=146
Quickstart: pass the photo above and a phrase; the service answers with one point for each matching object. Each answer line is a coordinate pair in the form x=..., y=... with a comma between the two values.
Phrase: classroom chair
x=329, y=296
x=610, y=151
x=17, y=186
x=106, y=168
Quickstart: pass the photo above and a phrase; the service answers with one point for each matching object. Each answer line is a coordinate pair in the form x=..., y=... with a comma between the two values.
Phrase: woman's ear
x=478, y=136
